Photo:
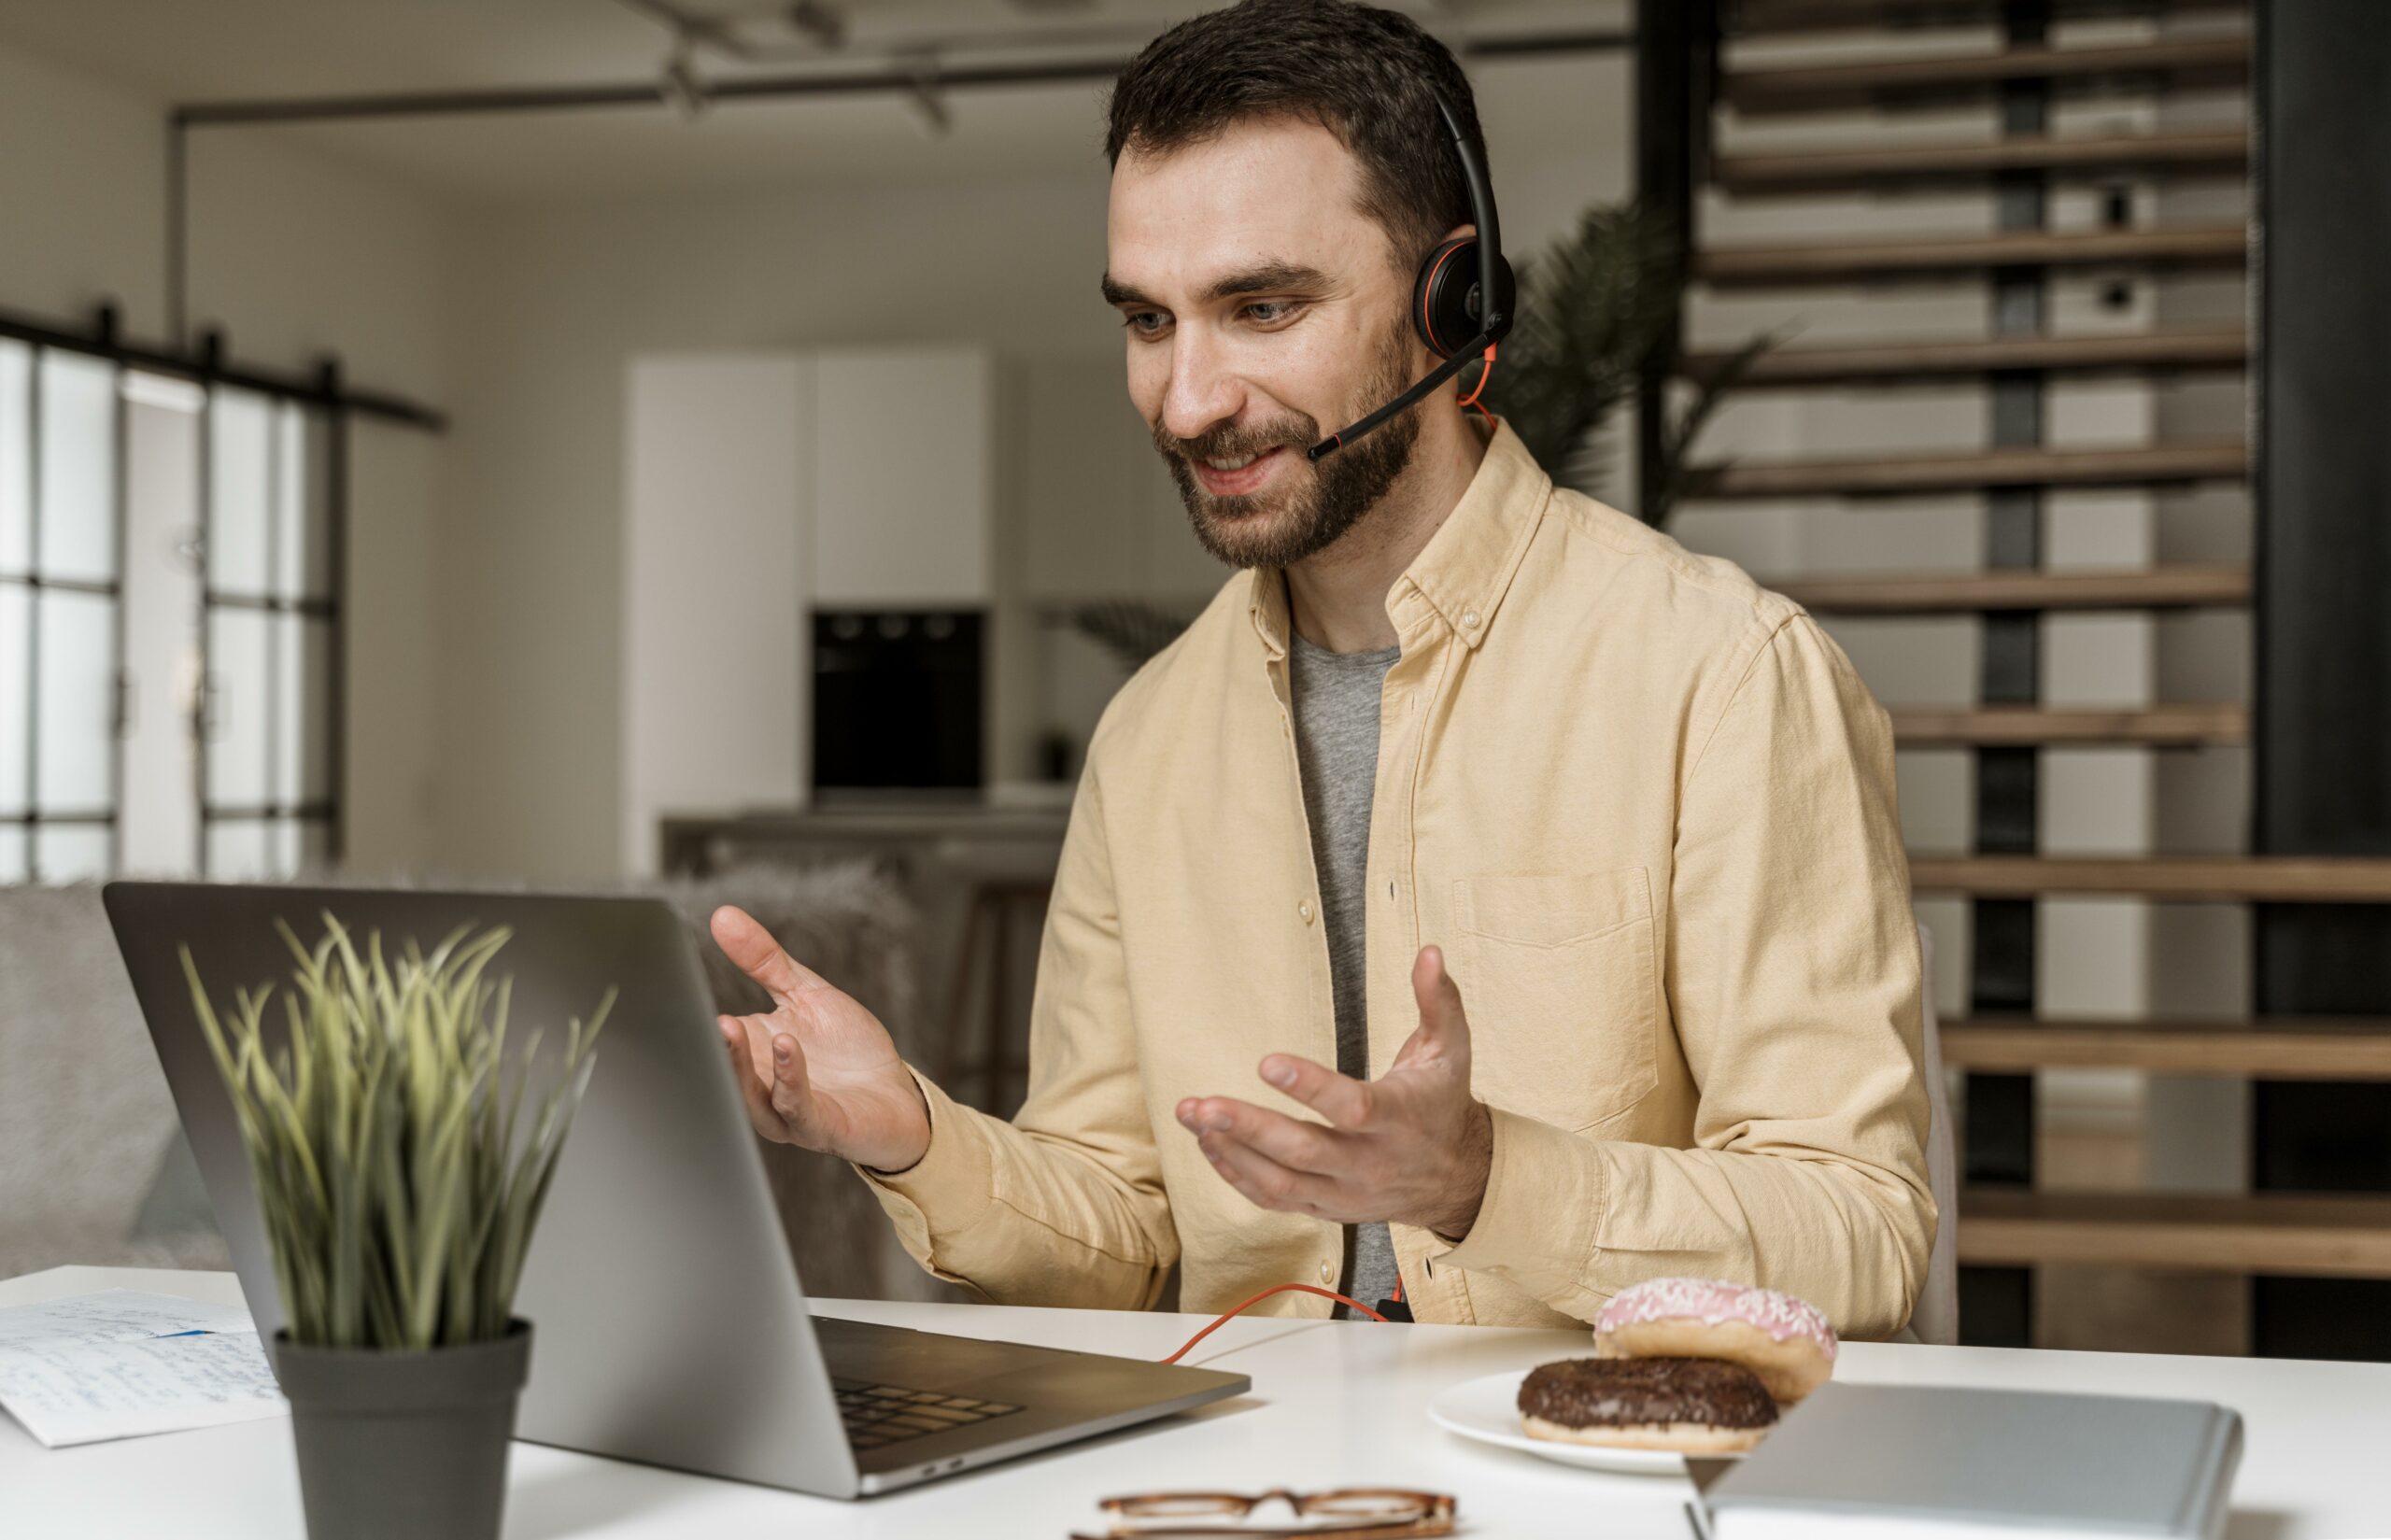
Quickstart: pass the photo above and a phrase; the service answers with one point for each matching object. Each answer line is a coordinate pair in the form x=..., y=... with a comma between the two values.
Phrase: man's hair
x=1367, y=76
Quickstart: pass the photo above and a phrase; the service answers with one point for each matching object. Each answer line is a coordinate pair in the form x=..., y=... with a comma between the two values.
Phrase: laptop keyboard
x=877, y=1415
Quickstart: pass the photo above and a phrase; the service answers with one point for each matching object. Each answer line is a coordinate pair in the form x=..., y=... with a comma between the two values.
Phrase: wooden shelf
x=1935, y=593
x=1860, y=262
x=1808, y=87
x=2287, y=1049
x=2253, y=879
x=2147, y=465
x=1745, y=18
x=1837, y=170
x=1860, y=364
x=2169, y=727
x=2297, y=1233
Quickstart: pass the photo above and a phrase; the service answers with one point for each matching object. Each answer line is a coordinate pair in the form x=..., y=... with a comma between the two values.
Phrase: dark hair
x=1370, y=77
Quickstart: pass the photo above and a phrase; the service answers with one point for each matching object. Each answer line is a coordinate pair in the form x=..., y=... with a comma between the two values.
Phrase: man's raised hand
x=817, y=1070
x=1413, y=1146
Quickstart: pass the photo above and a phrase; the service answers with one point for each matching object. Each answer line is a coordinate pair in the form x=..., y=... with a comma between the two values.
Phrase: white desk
x=1333, y=1403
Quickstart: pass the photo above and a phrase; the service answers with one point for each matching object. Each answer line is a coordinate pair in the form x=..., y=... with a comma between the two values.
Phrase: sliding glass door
x=61, y=613
x=266, y=797
x=169, y=624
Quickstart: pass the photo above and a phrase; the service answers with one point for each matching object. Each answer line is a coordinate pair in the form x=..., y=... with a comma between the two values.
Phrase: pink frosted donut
x=1784, y=1340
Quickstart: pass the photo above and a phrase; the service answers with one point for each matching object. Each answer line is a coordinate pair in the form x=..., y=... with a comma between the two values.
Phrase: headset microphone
x=1461, y=303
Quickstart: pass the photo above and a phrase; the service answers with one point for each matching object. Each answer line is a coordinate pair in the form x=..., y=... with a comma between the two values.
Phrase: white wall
x=563, y=294
x=293, y=254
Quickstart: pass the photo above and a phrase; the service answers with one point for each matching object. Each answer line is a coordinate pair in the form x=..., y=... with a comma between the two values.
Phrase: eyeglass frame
x=1433, y=1515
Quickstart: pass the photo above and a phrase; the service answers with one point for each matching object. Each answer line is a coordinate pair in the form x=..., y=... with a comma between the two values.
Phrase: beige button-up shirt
x=1645, y=806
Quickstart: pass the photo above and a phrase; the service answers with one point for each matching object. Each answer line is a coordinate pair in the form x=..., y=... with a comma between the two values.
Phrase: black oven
x=898, y=699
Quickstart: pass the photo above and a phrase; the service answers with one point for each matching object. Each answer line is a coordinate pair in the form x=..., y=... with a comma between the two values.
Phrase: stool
x=996, y=904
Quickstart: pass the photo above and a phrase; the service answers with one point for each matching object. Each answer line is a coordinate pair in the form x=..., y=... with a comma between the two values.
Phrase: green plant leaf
x=398, y=1188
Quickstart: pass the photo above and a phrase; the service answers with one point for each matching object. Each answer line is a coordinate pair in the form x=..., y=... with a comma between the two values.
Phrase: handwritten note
x=118, y=1364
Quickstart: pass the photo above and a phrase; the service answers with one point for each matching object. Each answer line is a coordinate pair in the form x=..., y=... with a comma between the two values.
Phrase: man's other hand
x=817, y=1070
x=1412, y=1146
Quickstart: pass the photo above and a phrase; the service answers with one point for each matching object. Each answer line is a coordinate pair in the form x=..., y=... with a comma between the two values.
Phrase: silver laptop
x=670, y=1324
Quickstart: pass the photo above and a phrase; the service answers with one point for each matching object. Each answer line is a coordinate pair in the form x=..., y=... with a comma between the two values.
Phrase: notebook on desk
x=1923, y=1462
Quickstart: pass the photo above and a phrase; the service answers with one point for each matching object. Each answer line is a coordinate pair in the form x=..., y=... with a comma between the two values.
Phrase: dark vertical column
x=1676, y=47
x=1997, y=1303
x=35, y=472
x=120, y=674
x=336, y=449
x=203, y=708
x=2321, y=723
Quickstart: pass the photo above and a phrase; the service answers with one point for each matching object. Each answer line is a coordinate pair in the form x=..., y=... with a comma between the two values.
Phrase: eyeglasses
x=1350, y=1513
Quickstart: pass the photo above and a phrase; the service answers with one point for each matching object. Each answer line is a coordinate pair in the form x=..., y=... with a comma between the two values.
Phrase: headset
x=1461, y=303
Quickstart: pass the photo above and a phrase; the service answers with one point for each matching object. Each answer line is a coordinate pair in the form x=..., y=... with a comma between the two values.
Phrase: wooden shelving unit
x=1905, y=363
x=2315, y=1236
x=2186, y=587
x=2296, y=1049
x=2141, y=465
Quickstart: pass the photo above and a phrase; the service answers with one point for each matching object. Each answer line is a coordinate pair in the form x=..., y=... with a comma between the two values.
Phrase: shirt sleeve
x=1063, y=1206
x=1794, y=980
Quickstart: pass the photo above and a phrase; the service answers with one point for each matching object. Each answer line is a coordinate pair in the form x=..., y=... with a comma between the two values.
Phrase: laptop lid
x=670, y=1324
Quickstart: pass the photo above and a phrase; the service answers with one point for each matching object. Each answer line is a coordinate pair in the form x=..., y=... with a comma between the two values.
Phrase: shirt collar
x=1468, y=564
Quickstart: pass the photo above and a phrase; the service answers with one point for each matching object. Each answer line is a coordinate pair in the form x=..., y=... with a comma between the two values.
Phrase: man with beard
x=1546, y=875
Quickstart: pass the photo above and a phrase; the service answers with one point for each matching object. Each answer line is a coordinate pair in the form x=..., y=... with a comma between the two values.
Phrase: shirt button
x=1470, y=619
x=1327, y=1272
x=1303, y=907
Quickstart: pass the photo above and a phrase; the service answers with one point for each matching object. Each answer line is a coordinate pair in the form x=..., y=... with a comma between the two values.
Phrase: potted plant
x=400, y=1184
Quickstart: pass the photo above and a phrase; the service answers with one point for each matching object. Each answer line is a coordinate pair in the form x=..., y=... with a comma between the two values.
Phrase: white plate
x=1487, y=1409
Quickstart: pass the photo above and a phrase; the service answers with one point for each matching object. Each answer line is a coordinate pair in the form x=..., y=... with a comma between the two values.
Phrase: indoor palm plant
x=401, y=1155
x=1594, y=307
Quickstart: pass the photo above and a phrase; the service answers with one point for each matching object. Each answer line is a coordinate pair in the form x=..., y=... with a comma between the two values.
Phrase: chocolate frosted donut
x=1695, y=1406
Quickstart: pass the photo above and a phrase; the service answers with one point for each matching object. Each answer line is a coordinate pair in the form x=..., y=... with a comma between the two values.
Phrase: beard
x=1281, y=527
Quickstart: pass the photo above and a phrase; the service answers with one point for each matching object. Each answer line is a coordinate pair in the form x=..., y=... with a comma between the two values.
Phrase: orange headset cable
x=1274, y=1289
x=1480, y=389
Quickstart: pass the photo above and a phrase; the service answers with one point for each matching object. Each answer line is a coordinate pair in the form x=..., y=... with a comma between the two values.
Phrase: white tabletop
x=1333, y=1403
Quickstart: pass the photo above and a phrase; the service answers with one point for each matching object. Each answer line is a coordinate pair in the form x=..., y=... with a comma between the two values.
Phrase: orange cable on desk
x=1275, y=1288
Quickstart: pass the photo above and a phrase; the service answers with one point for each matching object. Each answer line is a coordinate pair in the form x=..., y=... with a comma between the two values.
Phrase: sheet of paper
x=115, y=1315
x=118, y=1364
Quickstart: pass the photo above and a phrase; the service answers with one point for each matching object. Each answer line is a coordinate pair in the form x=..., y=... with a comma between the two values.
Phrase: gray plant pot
x=399, y=1446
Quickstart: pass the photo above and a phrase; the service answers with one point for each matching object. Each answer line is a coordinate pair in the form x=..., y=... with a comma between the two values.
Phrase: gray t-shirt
x=1337, y=699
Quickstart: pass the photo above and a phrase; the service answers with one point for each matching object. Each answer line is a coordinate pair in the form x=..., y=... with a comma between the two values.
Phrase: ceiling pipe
x=897, y=79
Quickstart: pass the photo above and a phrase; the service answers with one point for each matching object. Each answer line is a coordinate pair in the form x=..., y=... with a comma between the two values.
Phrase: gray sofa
x=93, y=1168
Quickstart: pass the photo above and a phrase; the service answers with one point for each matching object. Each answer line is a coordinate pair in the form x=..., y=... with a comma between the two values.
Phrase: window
x=269, y=639
x=169, y=624
x=59, y=613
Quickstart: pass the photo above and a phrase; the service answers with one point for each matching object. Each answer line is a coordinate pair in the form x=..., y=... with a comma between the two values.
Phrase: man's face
x=1264, y=312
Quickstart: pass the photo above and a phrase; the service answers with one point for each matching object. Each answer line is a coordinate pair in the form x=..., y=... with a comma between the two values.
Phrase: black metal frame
x=324, y=392
x=332, y=609
x=751, y=88
x=207, y=364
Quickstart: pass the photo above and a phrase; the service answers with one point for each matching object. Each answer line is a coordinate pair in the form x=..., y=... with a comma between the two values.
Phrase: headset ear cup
x=1441, y=308
x=1510, y=291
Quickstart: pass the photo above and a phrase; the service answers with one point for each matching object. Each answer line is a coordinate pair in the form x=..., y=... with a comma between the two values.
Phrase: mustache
x=1235, y=443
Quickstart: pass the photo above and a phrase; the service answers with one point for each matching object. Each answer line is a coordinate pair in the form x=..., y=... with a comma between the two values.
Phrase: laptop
x=670, y=1324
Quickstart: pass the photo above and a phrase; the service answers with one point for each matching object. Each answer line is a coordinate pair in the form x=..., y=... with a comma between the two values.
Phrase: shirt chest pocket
x=1559, y=978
